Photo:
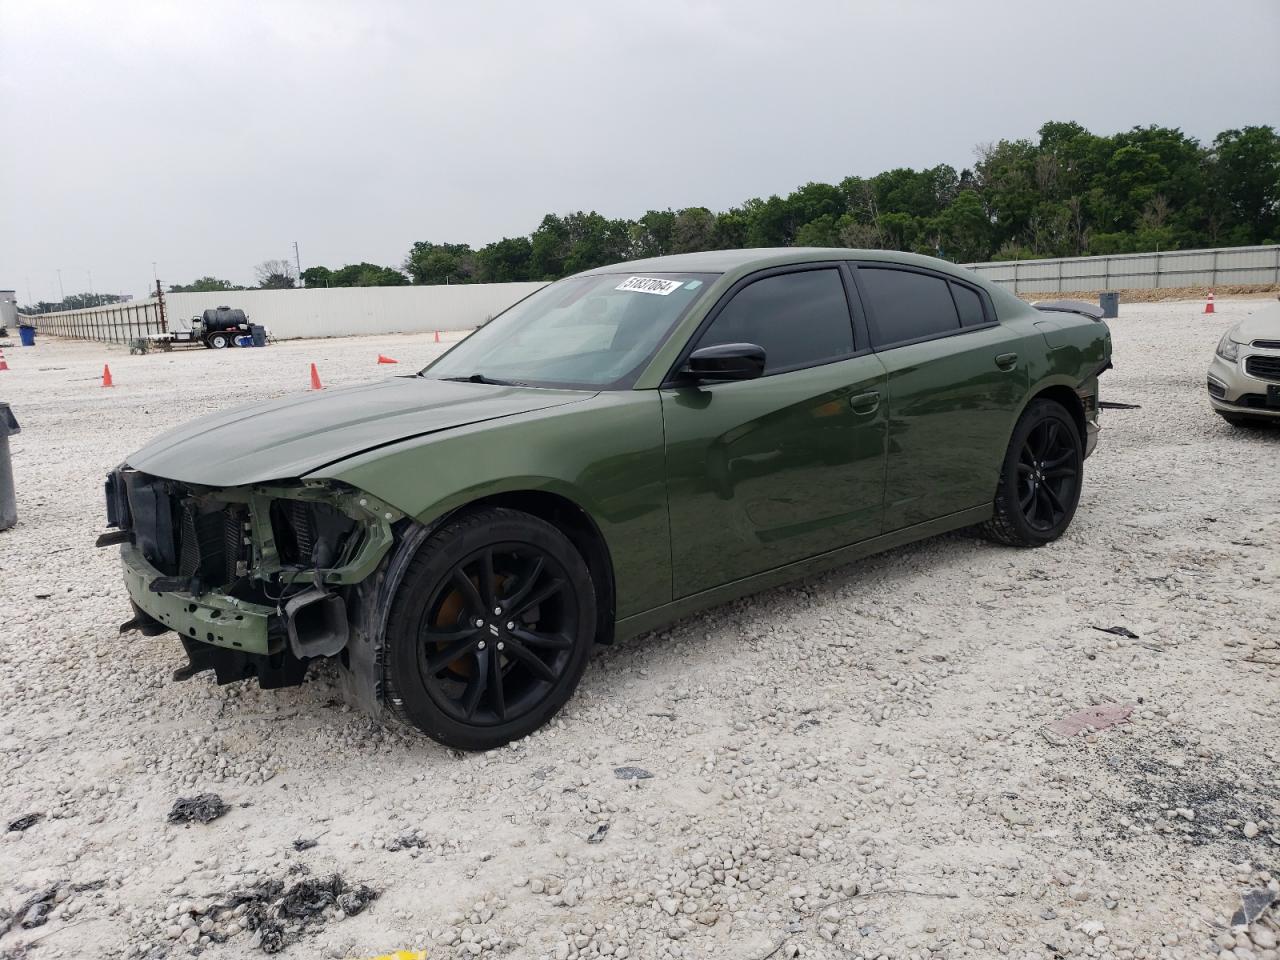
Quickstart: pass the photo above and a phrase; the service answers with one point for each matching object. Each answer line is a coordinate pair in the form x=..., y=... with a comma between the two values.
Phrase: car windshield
x=594, y=332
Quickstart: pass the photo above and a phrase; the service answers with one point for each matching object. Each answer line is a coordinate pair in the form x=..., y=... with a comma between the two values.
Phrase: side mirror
x=725, y=361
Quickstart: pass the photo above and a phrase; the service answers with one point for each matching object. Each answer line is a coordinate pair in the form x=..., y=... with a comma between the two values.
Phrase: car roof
x=745, y=261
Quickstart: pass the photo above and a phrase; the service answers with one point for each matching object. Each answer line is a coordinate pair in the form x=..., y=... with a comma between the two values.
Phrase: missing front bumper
x=211, y=618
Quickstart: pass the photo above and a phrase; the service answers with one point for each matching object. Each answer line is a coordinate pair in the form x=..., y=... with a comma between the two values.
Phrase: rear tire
x=1040, y=478
x=490, y=629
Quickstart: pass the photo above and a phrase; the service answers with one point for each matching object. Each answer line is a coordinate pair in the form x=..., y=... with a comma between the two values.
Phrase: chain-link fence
x=113, y=323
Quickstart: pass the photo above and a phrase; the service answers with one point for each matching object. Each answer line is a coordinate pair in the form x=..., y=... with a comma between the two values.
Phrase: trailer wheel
x=219, y=341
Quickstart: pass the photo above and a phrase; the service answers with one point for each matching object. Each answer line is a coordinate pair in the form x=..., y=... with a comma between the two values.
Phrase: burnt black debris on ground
x=1253, y=903
x=1119, y=632
x=25, y=821
x=1132, y=784
x=202, y=808
x=31, y=913
x=406, y=841
x=279, y=912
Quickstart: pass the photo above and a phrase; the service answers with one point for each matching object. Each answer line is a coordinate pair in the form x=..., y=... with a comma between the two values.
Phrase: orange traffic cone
x=315, y=379
x=382, y=359
x=4, y=364
x=106, y=376
x=437, y=336
x=1208, y=307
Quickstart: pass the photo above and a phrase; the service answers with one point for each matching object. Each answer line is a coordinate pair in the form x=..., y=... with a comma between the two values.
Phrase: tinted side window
x=799, y=318
x=908, y=305
x=969, y=303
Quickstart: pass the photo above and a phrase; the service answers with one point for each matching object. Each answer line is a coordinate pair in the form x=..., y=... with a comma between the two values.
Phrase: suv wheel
x=490, y=630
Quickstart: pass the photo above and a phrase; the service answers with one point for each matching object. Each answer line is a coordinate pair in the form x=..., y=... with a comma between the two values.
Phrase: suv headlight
x=1228, y=349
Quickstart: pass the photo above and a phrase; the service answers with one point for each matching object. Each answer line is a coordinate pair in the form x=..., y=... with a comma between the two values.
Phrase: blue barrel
x=27, y=335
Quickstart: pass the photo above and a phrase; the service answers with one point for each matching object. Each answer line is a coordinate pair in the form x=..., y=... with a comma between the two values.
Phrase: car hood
x=292, y=436
x=1263, y=324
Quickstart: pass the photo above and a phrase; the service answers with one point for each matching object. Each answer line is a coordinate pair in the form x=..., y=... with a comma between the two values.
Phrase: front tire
x=219, y=341
x=1040, y=478
x=490, y=629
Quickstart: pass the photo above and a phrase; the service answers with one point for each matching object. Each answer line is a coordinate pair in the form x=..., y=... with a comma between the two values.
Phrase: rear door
x=761, y=473
x=956, y=378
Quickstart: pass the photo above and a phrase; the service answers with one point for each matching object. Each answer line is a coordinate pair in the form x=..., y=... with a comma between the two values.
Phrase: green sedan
x=616, y=451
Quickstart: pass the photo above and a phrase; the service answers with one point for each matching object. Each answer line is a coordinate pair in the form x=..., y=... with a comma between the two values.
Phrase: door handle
x=865, y=402
x=1007, y=361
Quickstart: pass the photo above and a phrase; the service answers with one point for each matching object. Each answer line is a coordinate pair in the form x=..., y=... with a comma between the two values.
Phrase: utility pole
x=297, y=260
x=62, y=293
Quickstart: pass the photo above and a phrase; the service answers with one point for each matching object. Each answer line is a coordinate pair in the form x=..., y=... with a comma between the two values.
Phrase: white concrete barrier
x=350, y=311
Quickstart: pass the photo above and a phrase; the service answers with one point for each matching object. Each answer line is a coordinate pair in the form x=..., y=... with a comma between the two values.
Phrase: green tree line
x=73, y=301
x=1068, y=193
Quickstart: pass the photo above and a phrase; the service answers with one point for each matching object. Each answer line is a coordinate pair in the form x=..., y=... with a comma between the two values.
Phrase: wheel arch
x=1063, y=394
x=575, y=522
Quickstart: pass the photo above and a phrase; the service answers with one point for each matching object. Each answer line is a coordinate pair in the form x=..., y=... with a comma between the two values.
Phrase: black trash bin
x=1109, y=301
x=259, y=334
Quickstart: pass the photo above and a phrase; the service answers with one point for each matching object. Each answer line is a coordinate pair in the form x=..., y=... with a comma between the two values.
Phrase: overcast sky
x=207, y=137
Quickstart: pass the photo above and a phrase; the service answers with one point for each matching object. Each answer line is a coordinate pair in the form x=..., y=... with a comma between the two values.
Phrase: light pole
x=297, y=261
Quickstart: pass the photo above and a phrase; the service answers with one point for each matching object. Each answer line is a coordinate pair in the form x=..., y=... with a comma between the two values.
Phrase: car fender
x=604, y=455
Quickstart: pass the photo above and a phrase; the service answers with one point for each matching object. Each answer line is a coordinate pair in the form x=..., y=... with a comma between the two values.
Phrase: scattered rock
x=632, y=773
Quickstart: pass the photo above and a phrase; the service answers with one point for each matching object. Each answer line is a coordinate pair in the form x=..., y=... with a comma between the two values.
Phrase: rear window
x=969, y=304
x=907, y=305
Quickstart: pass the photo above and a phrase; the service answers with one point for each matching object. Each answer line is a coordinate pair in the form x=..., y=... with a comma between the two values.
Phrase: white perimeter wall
x=349, y=311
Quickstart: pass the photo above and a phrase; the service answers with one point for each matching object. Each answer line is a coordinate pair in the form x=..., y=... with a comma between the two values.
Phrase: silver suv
x=1244, y=378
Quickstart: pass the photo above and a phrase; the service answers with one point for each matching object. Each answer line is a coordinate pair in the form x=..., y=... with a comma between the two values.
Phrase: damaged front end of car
x=256, y=580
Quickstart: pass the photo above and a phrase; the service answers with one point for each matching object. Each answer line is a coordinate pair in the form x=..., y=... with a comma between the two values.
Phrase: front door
x=765, y=472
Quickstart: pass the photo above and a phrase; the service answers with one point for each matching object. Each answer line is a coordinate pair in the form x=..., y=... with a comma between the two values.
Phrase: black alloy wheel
x=497, y=635
x=1040, y=478
x=1048, y=473
x=490, y=630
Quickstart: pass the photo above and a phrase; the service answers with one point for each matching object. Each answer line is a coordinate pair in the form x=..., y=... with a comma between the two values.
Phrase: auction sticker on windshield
x=649, y=285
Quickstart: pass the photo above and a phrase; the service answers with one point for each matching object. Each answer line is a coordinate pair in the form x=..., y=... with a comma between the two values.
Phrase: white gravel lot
x=851, y=767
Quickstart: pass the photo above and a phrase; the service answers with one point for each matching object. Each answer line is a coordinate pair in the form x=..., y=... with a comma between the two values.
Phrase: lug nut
x=497, y=611
x=500, y=645
x=511, y=625
x=480, y=645
x=479, y=622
